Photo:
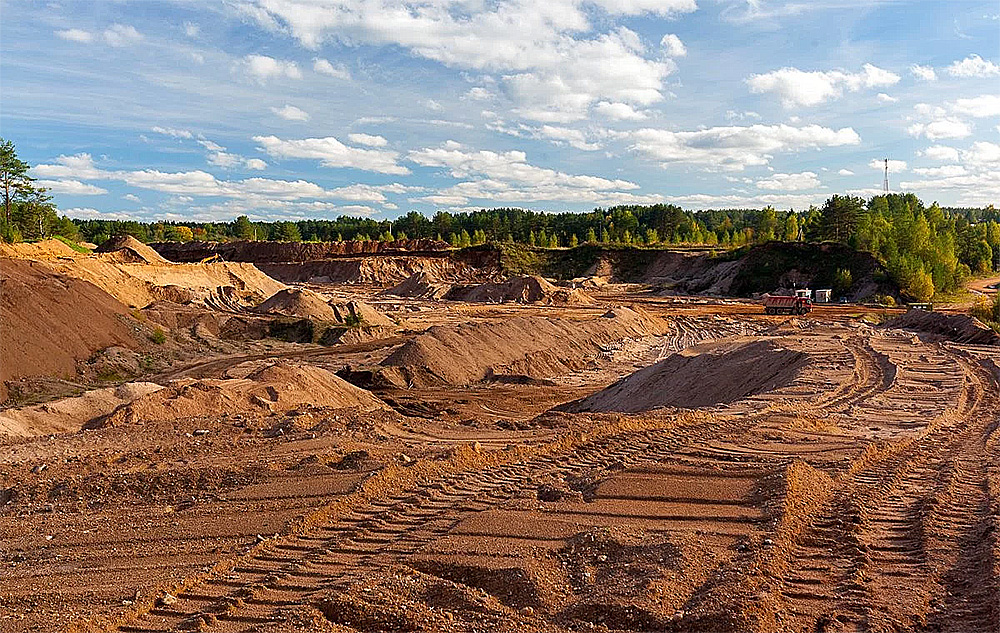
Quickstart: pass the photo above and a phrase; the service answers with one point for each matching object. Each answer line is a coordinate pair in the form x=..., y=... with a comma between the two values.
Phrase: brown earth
x=769, y=474
x=528, y=289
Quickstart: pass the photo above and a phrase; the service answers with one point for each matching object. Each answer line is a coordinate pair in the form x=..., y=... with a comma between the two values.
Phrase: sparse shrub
x=843, y=280
x=354, y=320
x=884, y=300
x=158, y=336
x=987, y=311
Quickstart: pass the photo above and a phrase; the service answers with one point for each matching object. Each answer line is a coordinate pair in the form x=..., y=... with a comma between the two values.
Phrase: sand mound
x=527, y=289
x=960, y=328
x=273, y=389
x=534, y=346
x=421, y=285
x=131, y=250
x=71, y=414
x=360, y=313
x=699, y=377
x=48, y=322
x=298, y=302
x=46, y=249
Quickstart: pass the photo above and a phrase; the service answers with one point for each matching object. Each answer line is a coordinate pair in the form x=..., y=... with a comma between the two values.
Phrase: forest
x=928, y=250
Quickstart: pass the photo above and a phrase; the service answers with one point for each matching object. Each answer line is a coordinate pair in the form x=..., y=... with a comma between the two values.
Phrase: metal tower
x=885, y=181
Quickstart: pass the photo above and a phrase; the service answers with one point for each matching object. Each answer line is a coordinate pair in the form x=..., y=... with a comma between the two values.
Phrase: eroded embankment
x=262, y=251
x=704, y=376
x=960, y=328
x=534, y=346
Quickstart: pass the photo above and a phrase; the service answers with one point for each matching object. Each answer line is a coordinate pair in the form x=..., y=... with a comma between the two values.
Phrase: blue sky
x=288, y=109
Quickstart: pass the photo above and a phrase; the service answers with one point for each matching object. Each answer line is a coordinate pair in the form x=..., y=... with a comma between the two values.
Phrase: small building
x=803, y=293
x=823, y=296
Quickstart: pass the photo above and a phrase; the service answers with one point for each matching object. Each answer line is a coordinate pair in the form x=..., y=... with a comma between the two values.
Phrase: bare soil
x=645, y=463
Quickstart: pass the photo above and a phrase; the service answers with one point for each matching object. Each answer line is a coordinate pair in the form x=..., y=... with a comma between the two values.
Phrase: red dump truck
x=781, y=304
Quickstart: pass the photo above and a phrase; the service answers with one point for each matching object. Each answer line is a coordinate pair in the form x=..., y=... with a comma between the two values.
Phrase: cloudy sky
x=316, y=108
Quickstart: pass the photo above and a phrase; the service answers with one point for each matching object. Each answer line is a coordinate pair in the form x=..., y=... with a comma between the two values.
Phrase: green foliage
x=354, y=320
x=988, y=311
x=842, y=280
x=76, y=247
x=158, y=336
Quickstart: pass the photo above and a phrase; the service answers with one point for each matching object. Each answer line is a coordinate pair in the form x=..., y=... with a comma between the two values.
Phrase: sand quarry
x=204, y=447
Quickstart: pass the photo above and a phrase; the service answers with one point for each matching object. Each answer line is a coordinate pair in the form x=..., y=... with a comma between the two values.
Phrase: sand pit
x=535, y=346
x=703, y=376
x=50, y=322
x=46, y=249
x=527, y=289
x=421, y=285
x=297, y=302
x=273, y=389
x=960, y=328
x=132, y=250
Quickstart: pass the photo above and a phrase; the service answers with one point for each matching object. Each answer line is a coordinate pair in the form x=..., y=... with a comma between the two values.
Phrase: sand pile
x=273, y=389
x=534, y=346
x=298, y=302
x=700, y=376
x=48, y=322
x=527, y=289
x=46, y=249
x=131, y=250
x=360, y=313
x=422, y=285
x=960, y=328
x=70, y=414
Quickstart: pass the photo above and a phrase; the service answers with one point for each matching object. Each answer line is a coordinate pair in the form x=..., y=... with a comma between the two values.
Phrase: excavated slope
x=51, y=321
x=534, y=346
x=960, y=328
x=699, y=377
x=261, y=252
x=526, y=289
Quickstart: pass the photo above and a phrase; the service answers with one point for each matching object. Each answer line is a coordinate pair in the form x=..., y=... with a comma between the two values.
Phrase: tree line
x=928, y=250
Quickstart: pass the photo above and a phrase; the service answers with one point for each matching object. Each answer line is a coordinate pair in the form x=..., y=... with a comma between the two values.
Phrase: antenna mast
x=885, y=181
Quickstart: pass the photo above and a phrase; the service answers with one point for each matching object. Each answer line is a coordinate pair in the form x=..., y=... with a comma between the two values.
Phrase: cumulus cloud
x=332, y=153
x=673, y=46
x=619, y=111
x=291, y=113
x=76, y=35
x=975, y=181
x=71, y=187
x=371, y=140
x=941, y=128
x=895, y=166
x=324, y=67
x=574, y=138
x=191, y=29
x=790, y=182
x=89, y=213
x=809, y=88
x=923, y=73
x=734, y=147
x=974, y=66
x=845, y=172
x=174, y=132
x=940, y=153
x=884, y=98
x=977, y=107
x=76, y=167
x=262, y=68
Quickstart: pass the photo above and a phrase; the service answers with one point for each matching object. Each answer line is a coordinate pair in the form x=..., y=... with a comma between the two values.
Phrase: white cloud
x=974, y=66
x=76, y=35
x=895, y=166
x=733, y=147
x=77, y=167
x=923, y=73
x=191, y=29
x=324, y=67
x=790, y=182
x=262, y=68
x=174, y=132
x=845, y=172
x=673, y=46
x=219, y=157
x=371, y=140
x=255, y=163
x=575, y=138
x=120, y=35
x=478, y=93
x=941, y=128
x=884, y=98
x=291, y=113
x=131, y=197
x=982, y=154
x=88, y=213
x=801, y=88
x=977, y=107
x=332, y=153
x=945, y=171
x=71, y=187
x=940, y=153
x=619, y=111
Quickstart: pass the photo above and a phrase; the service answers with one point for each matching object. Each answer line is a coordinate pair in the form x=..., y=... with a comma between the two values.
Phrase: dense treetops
x=927, y=250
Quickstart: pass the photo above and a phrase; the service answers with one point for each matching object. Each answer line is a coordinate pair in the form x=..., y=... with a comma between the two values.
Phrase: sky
x=191, y=110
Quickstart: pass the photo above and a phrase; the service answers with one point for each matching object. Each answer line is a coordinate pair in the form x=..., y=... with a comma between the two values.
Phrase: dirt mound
x=960, y=328
x=534, y=346
x=360, y=313
x=298, y=302
x=46, y=249
x=702, y=376
x=51, y=321
x=132, y=249
x=526, y=289
x=421, y=285
x=376, y=269
x=271, y=389
x=70, y=414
